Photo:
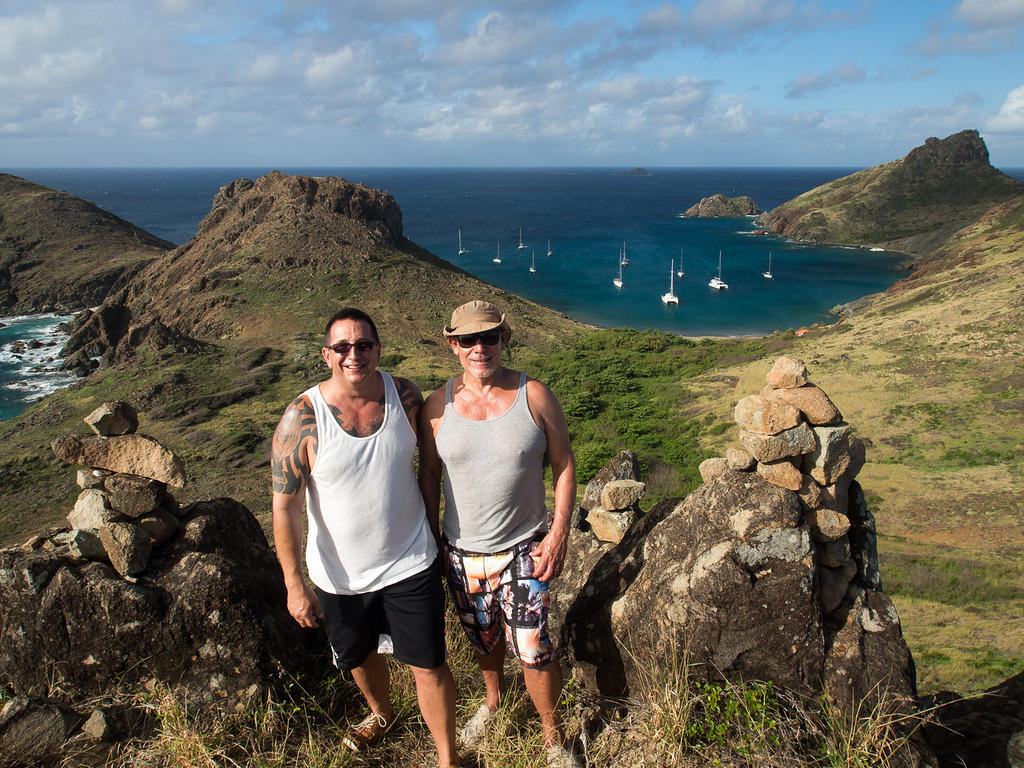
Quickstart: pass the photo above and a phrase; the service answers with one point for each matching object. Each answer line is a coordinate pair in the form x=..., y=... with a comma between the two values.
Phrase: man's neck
x=343, y=390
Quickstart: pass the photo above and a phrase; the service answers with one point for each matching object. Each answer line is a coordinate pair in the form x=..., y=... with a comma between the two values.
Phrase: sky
x=293, y=83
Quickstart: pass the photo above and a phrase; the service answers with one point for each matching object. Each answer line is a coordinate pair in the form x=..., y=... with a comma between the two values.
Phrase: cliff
x=59, y=252
x=912, y=205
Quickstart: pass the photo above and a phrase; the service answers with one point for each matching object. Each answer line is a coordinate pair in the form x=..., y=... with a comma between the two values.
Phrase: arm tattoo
x=288, y=465
x=409, y=394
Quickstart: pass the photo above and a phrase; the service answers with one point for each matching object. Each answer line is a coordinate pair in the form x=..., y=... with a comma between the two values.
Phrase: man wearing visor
x=486, y=434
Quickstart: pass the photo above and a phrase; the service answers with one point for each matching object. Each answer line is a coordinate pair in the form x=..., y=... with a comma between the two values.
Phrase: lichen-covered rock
x=766, y=417
x=739, y=459
x=787, y=373
x=794, y=441
x=91, y=511
x=128, y=547
x=814, y=404
x=623, y=466
x=622, y=494
x=132, y=495
x=833, y=454
x=711, y=468
x=783, y=473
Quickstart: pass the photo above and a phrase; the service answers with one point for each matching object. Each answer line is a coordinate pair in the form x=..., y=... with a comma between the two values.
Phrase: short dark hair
x=350, y=313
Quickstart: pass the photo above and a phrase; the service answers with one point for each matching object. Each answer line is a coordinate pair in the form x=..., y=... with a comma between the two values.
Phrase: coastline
x=30, y=360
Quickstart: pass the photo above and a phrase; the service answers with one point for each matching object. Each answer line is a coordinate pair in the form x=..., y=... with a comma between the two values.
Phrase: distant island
x=721, y=207
x=638, y=172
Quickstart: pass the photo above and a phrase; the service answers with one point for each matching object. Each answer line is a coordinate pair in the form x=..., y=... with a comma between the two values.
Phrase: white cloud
x=342, y=63
x=1010, y=118
x=990, y=14
x=842, y=75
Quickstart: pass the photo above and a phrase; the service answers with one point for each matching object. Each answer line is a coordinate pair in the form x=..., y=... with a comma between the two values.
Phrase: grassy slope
x=57, y=250
x=931, y=376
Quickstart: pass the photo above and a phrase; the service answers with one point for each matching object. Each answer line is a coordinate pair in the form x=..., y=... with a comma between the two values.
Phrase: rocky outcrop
x=985, y=731
x=721, y=207
x=768, y=571
x=911, y=206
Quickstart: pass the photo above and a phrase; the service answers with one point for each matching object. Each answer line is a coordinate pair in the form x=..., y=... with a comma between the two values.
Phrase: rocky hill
x=912, y=205
x=720, y=206
x=59, y=252
x=212, y=339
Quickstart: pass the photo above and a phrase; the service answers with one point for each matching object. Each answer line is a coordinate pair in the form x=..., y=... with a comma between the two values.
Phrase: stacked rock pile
x=794, y=437
x=124, y=509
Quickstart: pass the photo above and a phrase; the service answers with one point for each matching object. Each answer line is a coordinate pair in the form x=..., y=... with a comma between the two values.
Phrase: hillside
x=912, y=205
x=212, y=340
x=59, y=252
x=930, y=373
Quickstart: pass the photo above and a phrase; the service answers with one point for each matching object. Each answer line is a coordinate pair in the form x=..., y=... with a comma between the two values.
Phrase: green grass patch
x=951, y=579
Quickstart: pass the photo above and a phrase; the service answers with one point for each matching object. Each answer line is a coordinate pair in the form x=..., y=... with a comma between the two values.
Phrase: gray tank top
x=493, y=476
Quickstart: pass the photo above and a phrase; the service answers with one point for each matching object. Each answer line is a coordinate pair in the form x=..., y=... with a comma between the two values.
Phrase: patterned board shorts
x=498, y=588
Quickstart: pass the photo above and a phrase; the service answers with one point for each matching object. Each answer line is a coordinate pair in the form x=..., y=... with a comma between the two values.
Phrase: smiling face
x=354, y=366
x=481, y=361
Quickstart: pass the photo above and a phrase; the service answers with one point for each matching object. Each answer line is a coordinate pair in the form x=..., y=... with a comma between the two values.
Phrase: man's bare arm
x=293, y=451
x=412, y=400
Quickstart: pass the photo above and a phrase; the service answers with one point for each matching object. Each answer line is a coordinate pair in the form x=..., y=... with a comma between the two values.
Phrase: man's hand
x=549, y=555
x=304, y=607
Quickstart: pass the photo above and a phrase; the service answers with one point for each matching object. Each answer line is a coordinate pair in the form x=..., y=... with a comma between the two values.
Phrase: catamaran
x=497, y=259
x=533, y=261
x=679, y=272
x=769, y=274
x=716, y=282
x=461, y=249
x=617, y=282
x=670, y=297
x=521, y=243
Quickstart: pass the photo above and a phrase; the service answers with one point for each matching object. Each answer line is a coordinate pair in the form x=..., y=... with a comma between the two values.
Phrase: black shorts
x=411, y=612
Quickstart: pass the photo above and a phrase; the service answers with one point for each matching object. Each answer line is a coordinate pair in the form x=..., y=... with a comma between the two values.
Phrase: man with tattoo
x=344, y=447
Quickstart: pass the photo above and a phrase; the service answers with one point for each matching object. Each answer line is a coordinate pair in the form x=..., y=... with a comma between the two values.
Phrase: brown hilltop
x=912, y=205
x=275, y=257
x=60, y=252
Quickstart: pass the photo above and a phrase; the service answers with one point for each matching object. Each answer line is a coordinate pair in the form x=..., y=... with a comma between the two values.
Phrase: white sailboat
x=617, y=282
x=533, y=261
x=625, y=261
x=549, y=247
x=461, y=249
x=521, y=243
x=670, y=297
x=716, y=282
x=497, y=259
x=679, y=272
x=769, y=274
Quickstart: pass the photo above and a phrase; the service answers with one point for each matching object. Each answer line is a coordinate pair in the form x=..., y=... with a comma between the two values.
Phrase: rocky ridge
x=719, y=206
x=913, y=205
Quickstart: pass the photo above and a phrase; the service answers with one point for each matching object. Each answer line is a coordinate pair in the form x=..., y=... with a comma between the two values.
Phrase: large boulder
x=210, y=613
x=727, y=575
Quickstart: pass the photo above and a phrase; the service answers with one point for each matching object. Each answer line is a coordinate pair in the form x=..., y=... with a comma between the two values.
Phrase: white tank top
x=367, y=522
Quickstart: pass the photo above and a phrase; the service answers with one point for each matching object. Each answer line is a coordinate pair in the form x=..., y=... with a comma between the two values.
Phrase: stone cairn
x=124, y=509
x=794, y=437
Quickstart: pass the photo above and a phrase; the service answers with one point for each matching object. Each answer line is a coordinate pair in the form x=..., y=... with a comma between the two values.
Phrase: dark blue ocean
x=586, y=215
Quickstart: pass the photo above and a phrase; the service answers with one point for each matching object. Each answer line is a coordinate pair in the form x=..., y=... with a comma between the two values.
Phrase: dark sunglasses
x=344, y=347
x=489, y=338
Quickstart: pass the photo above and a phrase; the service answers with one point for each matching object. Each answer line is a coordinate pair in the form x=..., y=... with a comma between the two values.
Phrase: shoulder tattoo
x=409, y=394
x=288, y=465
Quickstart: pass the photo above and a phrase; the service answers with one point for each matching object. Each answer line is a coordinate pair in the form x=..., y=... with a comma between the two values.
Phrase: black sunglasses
x=489, y=338
x=344, y=347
